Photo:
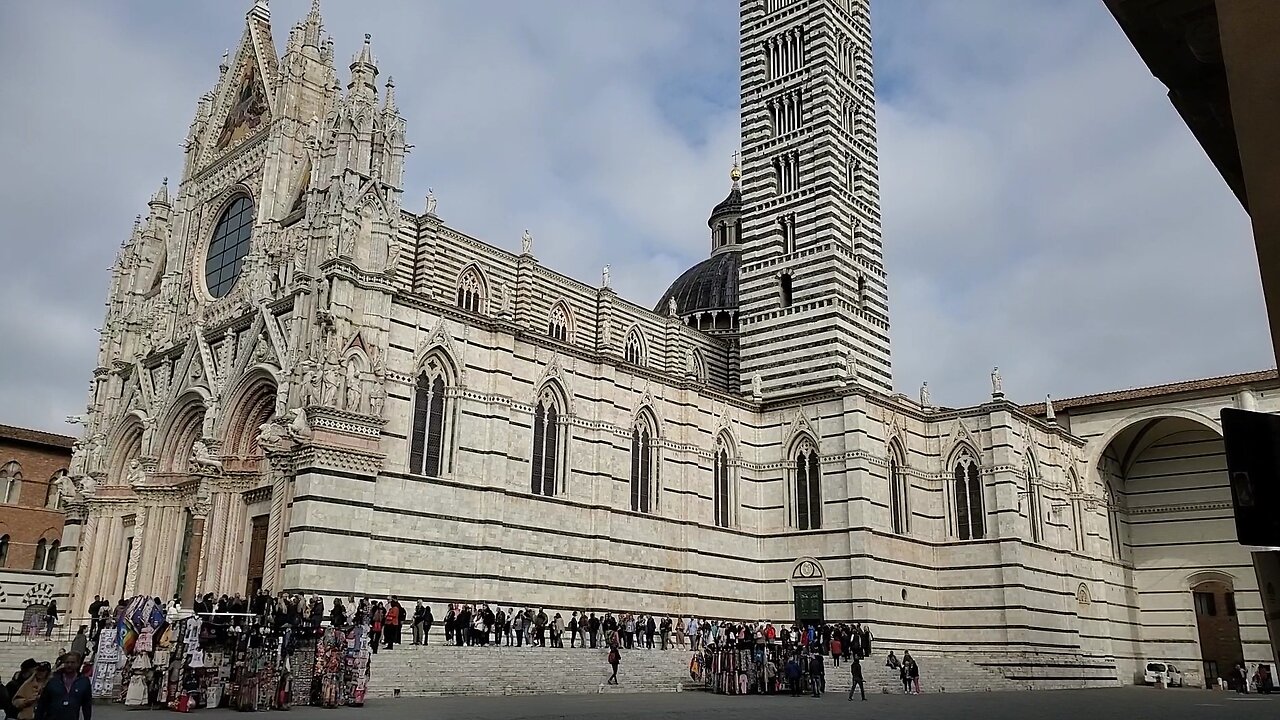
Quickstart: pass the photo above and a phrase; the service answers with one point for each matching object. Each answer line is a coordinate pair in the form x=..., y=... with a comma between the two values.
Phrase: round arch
x=125, y=444
x=252, y=403
x=1097, y=447
x=182, y=428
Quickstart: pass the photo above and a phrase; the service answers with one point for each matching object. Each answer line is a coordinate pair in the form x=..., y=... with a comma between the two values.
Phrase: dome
x=731, y=205
x=709, y=286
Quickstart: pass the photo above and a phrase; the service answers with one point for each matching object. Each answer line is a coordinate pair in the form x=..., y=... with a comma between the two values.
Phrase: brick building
x=31, y=519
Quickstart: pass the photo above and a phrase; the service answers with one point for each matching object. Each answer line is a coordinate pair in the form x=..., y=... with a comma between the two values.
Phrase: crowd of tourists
x=799, y=663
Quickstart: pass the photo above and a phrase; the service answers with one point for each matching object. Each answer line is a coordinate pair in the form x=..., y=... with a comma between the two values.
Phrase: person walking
x=614, y=658
x=69, y=694
x=855, y=671
x=50, y=618
x=573, y=630
x=913, y=674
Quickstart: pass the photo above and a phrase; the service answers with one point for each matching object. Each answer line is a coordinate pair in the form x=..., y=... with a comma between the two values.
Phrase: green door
x=809, y=605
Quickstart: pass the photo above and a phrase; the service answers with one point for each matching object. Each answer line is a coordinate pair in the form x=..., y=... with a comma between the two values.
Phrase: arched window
x=1077, y=515
x=1033, y=498
x=51, y=556
x=722, y=476
x=643, y=435
x=808, y=486
x=558, y=323
x=52, y=494
x=971, y=518
x=428, y=451
x=547, y=455
x=42, y=549
x=899, y=508
x=698, y=366
x=11, y=482
x=471, y=291
x=635, y=350
x=4, y=550
x=784, y=290
x=229, y=246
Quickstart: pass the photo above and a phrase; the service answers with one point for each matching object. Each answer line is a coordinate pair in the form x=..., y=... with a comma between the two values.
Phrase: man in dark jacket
x=855, y=669
x=817, y=671
x=68, y=694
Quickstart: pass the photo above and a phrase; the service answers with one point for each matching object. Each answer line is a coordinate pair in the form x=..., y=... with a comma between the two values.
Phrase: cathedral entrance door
x=257, y=553
x=809, y=605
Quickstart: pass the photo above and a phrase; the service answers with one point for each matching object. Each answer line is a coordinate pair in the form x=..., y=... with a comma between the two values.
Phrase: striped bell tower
x=813, y=303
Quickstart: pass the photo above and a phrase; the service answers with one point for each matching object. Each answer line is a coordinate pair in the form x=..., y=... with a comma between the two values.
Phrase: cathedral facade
x=303, y=385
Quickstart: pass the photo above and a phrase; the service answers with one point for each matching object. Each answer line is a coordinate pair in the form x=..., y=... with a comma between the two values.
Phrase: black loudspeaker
x=1252, y=441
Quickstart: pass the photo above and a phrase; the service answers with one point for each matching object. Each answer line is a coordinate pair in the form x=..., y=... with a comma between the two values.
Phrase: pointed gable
x=245, y=97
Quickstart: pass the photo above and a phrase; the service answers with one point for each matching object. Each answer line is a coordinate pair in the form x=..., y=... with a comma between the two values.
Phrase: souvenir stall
x=145, y=644
x=341, y=674
x=105, y=675
x=227, y=660
x=733, y=671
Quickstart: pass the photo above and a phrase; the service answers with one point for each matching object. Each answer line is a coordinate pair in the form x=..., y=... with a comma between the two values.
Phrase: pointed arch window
x=42, y=549
x=634, y=352
x=558, y=323
x=51, y=556
x=1077, y=516
x=1034, y=519
x=899, y=508
x=723, y=494
x=471, y=294
x=698, y=366
x=10, y=482
x=642, y=465
x=4, y=550
x=967, y=491
x=547, y=446
x=52, y=495
x=808, y=487
x=429, y=451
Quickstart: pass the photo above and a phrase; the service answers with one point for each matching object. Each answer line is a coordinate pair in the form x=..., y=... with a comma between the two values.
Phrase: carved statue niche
x=203, y=461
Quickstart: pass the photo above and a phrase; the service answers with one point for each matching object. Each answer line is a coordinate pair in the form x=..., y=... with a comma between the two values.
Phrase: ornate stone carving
x=202, y=501
x=997, y=383
x=203, y=461
x=299, y=429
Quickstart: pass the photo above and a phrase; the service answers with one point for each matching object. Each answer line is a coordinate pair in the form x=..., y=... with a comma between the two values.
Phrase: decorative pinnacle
x=736, y=173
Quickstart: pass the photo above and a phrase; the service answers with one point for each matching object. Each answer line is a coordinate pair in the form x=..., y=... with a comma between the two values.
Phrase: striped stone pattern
x=835, y=328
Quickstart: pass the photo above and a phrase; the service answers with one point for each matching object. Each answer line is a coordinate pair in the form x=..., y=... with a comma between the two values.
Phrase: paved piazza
x=1107, y=704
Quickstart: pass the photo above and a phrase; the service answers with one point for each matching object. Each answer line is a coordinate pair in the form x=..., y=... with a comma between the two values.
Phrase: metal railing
x=38, y=633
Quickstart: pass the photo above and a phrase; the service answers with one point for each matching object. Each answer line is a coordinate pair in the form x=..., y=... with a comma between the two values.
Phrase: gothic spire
x=364, y=69
x=390, y=106
x=162, y=194
x=312, y=26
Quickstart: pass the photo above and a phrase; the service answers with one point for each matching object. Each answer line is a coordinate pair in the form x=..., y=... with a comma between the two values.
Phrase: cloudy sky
x=1044, y=208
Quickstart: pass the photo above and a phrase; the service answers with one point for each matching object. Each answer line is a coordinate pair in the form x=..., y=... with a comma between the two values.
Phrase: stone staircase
x=963, y=672
x=14, y=651
x=417, y=671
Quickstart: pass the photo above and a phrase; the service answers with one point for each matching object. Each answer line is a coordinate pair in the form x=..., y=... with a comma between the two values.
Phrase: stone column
x=84, y=560
x=135, y=553
x=69, y=549
x=199, y=507
x=280, y=473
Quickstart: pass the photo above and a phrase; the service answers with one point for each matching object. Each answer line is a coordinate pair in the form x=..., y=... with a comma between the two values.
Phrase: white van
x=1168, y=672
